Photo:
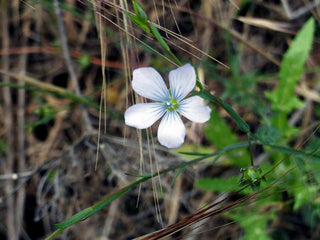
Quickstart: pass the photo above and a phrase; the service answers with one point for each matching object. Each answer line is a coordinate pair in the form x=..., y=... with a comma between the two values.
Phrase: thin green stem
x=250, y=150
x=243, y=126
x=177, y=61
x=54, y=234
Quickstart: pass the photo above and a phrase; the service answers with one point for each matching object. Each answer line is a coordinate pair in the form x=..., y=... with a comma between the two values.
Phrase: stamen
x=171, y=104
x=168, y=104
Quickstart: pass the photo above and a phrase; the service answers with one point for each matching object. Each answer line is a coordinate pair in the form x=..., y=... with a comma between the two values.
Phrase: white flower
x=148, y=83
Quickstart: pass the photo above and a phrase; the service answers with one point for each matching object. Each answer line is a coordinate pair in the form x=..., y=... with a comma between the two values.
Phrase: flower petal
x=193, y=109
x=182, y=81
x=147, y=82
x=171, y=131
x=143, y=115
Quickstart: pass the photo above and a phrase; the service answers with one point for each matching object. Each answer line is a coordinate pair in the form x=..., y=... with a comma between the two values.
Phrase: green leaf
x=311, y=214
x=219, y=185
x=158, y=36
x=46, y=112
x=140, y=23
x=141, y=14
x=84, y=61
x=304, y=195
x=255, y=224
x=283, y=98
x=74, y=219
x=218, y=132
x=268, y=134
x=294, y=152
x=3, y=146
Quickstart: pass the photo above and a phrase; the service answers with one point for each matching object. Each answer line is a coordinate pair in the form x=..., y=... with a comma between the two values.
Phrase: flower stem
x=250, y=149
x=174, y=58
x=243, y=126
x=54, y=234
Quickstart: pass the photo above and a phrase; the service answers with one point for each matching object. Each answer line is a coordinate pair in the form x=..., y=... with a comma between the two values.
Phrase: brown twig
x=8, y=119
x=21, y=155
x=293, y=14
x=66, y=54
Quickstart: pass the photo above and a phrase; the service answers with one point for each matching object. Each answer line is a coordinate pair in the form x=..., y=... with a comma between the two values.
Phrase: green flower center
x=171, y=104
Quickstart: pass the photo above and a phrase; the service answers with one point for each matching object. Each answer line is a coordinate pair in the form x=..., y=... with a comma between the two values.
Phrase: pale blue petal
x=148, y=83
x=193, y=109
x=171, y=131
x=182, y=81
x=143, y=115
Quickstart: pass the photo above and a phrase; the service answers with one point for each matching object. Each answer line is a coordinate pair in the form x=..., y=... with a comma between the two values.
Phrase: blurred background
x=65, y=82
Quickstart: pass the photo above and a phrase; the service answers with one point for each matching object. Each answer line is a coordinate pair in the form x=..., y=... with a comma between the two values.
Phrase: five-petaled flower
x=170, y=104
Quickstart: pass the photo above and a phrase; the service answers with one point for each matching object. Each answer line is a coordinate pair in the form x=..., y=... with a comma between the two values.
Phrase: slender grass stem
x=54, y=234
x=55, y=90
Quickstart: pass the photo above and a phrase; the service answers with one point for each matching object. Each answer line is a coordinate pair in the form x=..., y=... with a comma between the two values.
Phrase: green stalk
x=243, y=126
